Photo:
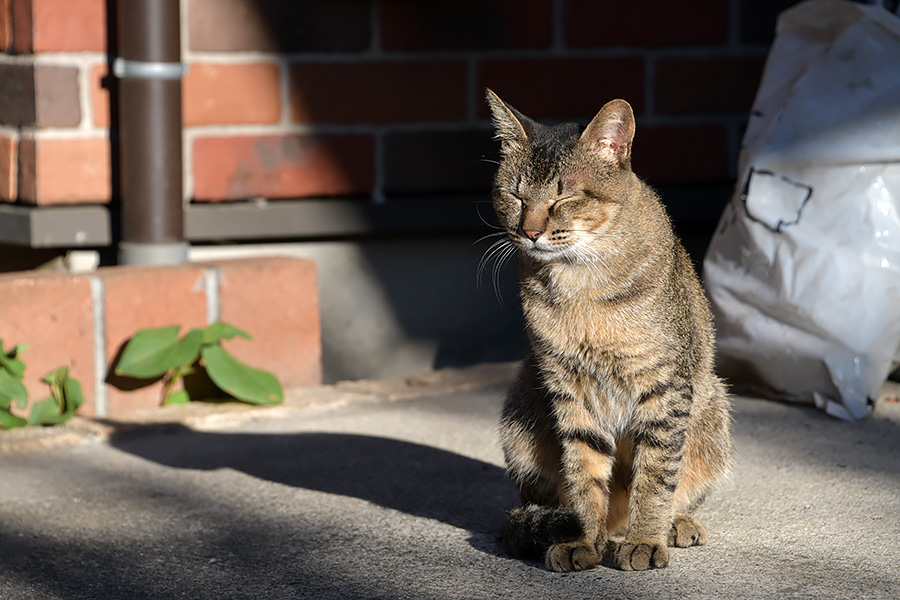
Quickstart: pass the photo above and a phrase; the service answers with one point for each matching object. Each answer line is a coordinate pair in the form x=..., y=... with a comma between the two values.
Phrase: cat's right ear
x=611, y=132
x=509, y=124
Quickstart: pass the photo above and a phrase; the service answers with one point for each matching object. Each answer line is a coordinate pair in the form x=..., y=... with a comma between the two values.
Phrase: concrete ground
x=396, y=490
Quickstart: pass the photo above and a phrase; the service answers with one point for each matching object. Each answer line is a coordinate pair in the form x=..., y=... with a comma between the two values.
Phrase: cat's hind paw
x=573, y=556
x=641, y=555
x=687, y=531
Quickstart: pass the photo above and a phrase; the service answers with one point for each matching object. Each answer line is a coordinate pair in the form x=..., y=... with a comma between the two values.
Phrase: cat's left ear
x=611, y=132
x=511, y=126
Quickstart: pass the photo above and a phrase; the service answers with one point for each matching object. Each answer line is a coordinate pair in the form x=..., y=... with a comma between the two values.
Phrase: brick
x=69, y=25
x=141, y=297
x=17, y=97
x=758, y=17
x=5, y=26
x=681, y=154
x=289, y=166
x=439, y=161
x=592, y=24
x=9, y=169
x=27, y=170
x=232, y=94
x=101, y=83
x=595, y=81
x=412, y=25
x=393, y=92
x=64, y=171
x=704, y=85
x=52, y=314
x=286, y=335
x=39, y=95
x=211, y=94
x=56, y=96
x=282, y=26
x=22, y=26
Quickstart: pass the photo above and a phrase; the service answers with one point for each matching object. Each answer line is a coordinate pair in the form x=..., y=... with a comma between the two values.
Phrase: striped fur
x=617, y=421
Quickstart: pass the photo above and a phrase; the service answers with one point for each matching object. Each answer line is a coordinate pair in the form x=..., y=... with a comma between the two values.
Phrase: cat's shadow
x=412, y=478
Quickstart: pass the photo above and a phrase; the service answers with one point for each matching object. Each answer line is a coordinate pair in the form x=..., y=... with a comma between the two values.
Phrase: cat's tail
x=531, y=529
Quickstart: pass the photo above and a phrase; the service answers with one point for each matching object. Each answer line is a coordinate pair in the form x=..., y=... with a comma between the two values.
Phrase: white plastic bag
x=803, y=271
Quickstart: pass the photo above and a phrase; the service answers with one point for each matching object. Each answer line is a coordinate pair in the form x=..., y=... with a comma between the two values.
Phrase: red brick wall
x=289, y=99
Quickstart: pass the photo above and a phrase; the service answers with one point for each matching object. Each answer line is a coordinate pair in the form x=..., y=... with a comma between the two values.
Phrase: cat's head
x=559, y=189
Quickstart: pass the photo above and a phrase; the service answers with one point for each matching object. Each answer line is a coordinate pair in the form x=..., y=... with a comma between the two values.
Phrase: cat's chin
x=544, y=255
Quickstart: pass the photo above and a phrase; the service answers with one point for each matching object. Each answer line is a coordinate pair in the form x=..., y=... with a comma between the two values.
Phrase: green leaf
x=153, y=352
x=15, y=366
x=10, y=421
x=65, y=390
x=11, y=391
x=179, y=397
x=144, y=350
x=73, y=395
x=244, y=383
x=46, y=412
x=9, y=360
x=219, y=331
x=57, y=376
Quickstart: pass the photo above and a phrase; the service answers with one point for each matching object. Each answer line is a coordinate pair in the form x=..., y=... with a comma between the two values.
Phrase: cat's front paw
x=573, y=556
x=640, y=555
x=687, y=531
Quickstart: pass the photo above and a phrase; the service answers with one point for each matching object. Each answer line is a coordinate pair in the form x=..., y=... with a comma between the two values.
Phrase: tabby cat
x=617, y=424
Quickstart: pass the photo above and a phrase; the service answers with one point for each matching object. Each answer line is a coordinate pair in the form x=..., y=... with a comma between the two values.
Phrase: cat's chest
x=591, y=348
x=589, y=325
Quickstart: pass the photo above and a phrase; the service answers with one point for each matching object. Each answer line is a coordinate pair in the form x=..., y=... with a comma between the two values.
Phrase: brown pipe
x=149, y=70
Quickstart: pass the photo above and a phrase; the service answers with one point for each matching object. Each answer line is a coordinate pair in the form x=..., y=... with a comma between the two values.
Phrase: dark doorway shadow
x=412, y=478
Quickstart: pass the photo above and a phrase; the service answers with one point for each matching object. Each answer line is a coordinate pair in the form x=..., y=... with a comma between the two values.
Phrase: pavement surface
x=396, y=490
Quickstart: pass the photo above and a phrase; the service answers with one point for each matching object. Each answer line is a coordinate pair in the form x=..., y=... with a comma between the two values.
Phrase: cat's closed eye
x=507, y=194
x=556, y=205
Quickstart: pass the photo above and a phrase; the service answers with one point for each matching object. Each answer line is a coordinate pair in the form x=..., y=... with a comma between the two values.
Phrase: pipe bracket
x=140, y=253
x=124, y=68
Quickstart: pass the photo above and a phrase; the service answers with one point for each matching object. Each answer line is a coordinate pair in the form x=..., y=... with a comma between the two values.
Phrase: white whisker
x=483, y=220
x=508, y=253
x=490, y=235
x=499, y=252
x=593, y=261
x=491, y=253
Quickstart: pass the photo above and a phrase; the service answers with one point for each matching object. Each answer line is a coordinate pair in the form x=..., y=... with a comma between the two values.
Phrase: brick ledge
x=82, y=321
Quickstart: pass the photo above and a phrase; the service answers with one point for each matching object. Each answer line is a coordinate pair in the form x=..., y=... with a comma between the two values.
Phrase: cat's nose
x=533, y=234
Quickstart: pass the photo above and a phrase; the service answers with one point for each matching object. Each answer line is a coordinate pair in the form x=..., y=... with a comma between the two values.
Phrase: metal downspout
x=149, y=70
